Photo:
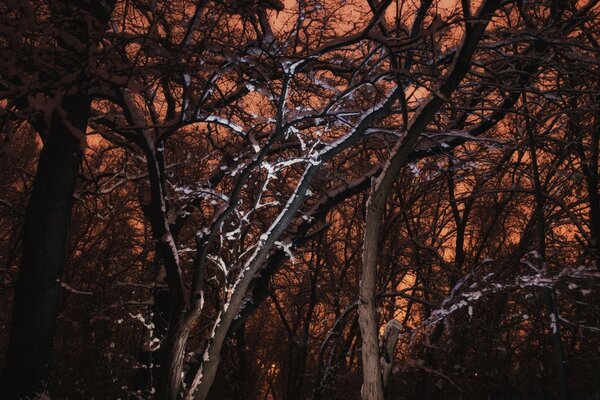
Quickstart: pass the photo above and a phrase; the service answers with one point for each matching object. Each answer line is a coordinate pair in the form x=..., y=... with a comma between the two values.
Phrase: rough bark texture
x=172, y=375
x=390, y=339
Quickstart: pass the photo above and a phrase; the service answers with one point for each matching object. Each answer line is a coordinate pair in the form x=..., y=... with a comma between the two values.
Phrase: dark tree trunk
x=550, y=299
x=48, y=214
x=44, y=238
x=152, y=358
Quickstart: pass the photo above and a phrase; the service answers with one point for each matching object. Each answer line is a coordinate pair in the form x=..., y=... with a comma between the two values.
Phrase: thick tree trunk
x=372, y=388
x=171, y=378
x=48, y=213
x=44, y=239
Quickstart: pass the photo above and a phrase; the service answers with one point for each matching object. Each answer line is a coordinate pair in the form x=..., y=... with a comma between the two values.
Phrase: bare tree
x=53, y=82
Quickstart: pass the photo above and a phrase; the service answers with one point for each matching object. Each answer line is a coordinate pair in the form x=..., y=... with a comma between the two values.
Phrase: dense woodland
x=259, y=199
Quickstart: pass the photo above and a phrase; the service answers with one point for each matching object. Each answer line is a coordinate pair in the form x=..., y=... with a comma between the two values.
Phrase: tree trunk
x=172, y=373
x=390, y=339
x=550, y=300
x=591, y=173
x=48, y=213
x=45, y=235
x=372, y=388
x=372, y=385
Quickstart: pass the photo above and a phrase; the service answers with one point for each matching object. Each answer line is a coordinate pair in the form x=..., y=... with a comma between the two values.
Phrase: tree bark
x=48, y=214
x=372, y=372
x=172, y=373
x=390, y=339
x=45, y=235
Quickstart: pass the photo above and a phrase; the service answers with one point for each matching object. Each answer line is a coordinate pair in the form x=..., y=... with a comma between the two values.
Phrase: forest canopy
x=265, y=199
